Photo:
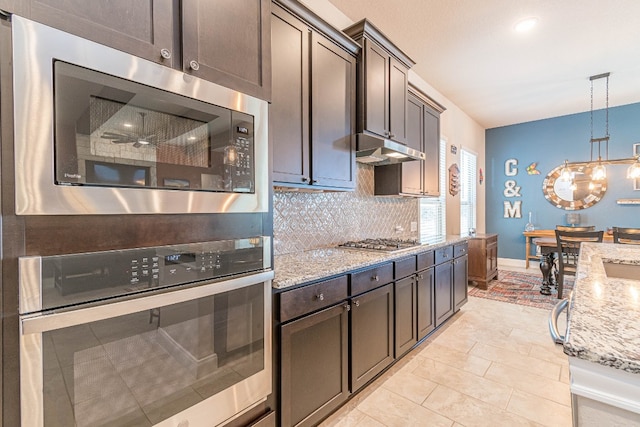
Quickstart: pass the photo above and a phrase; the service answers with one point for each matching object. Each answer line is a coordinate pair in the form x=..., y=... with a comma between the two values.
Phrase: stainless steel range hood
x=378, y=151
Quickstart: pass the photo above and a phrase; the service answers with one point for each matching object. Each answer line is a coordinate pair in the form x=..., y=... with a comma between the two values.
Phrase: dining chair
x=630, y=236
x=569, y=250
x=580, y=228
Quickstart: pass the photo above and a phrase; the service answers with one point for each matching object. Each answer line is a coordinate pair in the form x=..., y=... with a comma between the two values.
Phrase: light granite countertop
x=604, y=312
x=308, y=266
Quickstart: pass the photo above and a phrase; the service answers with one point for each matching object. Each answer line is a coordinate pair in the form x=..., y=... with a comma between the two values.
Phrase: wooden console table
x=545, y=233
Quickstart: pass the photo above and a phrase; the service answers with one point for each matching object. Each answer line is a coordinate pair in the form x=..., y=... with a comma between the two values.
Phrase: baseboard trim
x=507, y=263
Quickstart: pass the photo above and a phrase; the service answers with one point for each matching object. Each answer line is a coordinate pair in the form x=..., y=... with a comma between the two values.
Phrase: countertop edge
x=316, y=264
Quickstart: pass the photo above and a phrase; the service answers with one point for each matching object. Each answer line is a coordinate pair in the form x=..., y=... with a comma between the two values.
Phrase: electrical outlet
x=414, y=226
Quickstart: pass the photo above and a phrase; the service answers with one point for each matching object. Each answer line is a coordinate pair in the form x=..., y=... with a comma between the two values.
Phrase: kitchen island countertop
x=307, y=266
x=604, y=311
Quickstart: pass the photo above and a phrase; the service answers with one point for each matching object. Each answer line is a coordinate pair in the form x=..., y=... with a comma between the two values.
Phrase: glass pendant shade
x=599, y=173
x=565, y=173
x=633, y=171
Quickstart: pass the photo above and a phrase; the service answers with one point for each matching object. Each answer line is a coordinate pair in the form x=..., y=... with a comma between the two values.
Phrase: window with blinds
x=433, y=225
x=468, y=168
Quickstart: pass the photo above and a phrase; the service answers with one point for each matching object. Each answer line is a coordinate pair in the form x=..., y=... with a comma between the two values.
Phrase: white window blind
x=433, y=217
x=468, y=168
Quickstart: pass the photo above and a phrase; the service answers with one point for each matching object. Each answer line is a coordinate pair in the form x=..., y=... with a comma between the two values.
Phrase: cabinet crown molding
x=301, y=12
x=426, y=98
x=365, y=29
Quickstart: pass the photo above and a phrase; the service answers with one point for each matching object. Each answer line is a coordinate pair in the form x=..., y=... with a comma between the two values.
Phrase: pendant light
x=601, y=144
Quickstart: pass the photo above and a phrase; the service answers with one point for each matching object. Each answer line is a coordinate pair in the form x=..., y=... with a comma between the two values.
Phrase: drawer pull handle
x=320, y=297
x=375, y=278
x=356, y=303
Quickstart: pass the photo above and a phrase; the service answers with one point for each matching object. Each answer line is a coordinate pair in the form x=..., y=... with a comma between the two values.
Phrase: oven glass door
x=118, y=133
x=152, y=364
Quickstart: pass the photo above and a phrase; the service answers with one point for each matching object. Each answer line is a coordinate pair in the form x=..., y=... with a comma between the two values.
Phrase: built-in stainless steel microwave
x=99, y=131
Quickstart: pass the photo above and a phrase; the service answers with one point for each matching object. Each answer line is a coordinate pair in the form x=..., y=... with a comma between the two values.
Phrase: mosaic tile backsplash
x=304, y=221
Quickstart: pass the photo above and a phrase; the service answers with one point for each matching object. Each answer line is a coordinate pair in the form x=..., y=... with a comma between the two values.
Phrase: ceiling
x=469, y=51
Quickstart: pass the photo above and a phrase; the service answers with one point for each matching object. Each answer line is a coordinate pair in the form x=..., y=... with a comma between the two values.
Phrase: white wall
x=455, y=125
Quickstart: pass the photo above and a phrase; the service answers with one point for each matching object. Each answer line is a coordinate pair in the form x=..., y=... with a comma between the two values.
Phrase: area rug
x=521, y=288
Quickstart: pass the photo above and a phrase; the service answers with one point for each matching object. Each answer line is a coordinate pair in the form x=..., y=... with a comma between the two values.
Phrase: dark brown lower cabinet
x=460, y=292
x=425, y=284
x=406, y=300
x=443, y=292
x=314, y=366
x=371, y=334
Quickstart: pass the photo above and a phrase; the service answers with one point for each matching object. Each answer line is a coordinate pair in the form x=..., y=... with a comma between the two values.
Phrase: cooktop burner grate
x=383, y=245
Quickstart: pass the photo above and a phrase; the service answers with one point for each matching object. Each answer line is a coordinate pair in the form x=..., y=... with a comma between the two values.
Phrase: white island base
x=603, y=396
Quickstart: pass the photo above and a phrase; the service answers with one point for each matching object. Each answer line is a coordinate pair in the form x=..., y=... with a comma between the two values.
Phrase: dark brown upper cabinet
x=312, y=114
x=416, y=178
x=229, y=42
x=383, y=83
x=144, y=28
x=223, y=41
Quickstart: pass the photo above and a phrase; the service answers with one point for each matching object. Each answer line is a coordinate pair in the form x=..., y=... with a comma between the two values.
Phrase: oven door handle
x=39, y=323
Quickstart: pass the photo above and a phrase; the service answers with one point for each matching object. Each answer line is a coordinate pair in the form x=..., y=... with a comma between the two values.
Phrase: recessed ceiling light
x=127, y=125
x=526, y=24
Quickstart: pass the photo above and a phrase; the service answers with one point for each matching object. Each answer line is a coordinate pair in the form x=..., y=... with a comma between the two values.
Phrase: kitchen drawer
x=405, y=267
x=310, y=298
x=425, y=260
x=444, y=254
x=371, y=278
x=460, y=249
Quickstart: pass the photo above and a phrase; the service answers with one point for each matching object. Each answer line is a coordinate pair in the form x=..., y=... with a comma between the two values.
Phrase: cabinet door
x=431, y=149
x=314, y=366
x=371, y=334
x=333, y=77
x=492, y=259
x=142, y=27
x=425, y=288
x=289, y=109
x=376, y=89
x=406, y=330
x=229, y=42
x=398, y=87
x=443, y=292
x=460, y=282
x=412, y=171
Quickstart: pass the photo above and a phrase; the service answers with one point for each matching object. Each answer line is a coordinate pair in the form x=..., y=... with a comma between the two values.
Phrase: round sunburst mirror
x=575, y=194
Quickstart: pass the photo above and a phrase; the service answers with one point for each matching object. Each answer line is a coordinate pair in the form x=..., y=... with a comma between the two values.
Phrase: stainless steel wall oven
x=169, y=336
x=99, y=131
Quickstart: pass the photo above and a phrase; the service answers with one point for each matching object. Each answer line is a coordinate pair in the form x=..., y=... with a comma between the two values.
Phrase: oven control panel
x=86, y=277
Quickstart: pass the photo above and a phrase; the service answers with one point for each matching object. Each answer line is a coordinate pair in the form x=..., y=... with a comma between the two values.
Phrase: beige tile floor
x=492, y=364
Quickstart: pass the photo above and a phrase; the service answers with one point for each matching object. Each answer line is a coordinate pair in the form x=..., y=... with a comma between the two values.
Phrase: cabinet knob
x=305, y=179
x=356, y=303
x=375, y=278
x=194, y=65
x=347, y=307
x=392, y=135
x=320, y=297
x=165, y=53
x=313, y=181
x=420, y=276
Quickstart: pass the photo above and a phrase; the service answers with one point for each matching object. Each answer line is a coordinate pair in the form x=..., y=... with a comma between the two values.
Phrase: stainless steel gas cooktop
x=381, y=245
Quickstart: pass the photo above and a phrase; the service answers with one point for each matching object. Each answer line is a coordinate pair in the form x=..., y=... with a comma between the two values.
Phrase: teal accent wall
x=549, y=142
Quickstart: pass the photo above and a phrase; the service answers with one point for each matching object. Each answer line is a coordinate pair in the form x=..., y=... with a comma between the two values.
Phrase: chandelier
x=600, y=145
